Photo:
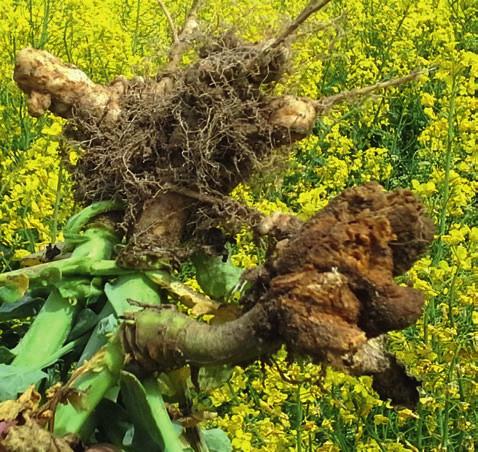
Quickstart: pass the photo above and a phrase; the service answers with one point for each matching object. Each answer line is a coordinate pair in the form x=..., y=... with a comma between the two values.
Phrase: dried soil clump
x=331, y=284
x=200, y=130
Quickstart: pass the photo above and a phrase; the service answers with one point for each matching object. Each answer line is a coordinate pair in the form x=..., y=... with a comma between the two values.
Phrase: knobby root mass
x=324, y=291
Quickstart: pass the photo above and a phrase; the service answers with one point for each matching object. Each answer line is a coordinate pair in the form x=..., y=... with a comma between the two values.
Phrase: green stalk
x=15, y=284
x=161, y=417
x=89, y=258
x=166, y=339
x=54, y=224
x=146, y=409
x=77, y=222
x=47, y=333
x=299, y=414
x=95, y=378
x=133, y=286
x=44, y=27
x=442, y=221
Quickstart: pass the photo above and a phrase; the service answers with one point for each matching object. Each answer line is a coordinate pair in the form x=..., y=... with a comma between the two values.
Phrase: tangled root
x=203, y=129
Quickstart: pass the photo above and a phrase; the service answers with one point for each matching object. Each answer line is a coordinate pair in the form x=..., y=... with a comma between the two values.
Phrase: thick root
x=61, y=88
x=331, y=285
x=324, y=290
x=204, y=128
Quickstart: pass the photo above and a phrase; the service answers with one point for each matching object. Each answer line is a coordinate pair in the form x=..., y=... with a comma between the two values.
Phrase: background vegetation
x=422, y=136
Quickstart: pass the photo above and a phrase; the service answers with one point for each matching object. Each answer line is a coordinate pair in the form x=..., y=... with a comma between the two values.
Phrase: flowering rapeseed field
x=422, y=136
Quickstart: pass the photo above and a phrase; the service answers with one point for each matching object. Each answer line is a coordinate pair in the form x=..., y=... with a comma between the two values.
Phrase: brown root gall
x=331, y=284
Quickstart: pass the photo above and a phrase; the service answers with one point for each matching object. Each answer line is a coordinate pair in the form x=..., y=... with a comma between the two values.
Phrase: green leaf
x=85, y=321
x=217, y=440
x=199, y=303
x=47, y=333
x=6, y=355
x=107, y=325
x=135, y=287
x=14, y=380
x=99, y=337
x=147, y=410
x=213, y=377
x=218, y=279
x=26, y=307
x=77, y=288
x=166, y=387
x=49, y=275
x=13, y=288
x=122, y=433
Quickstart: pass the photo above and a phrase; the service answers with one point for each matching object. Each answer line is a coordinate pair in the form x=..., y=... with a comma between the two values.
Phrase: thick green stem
x=161, y=417
x=77, y=222
x=95, y=378
x=70, y=266
x=41, y=272
x=14, y=284
x=47, y=333
x=90, y=258
x=166, y=339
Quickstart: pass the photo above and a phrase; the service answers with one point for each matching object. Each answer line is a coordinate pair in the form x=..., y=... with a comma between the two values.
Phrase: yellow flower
x=20, y=254
x=406, y=414
x=427, y=99
x=380, y=419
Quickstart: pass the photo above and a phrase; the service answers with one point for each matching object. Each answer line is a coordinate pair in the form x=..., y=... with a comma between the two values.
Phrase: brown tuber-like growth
x=332, y=284
x=324, y=290
x=62, y=88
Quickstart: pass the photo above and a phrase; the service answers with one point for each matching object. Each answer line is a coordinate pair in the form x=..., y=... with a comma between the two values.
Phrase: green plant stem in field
x=299, y=415
x=161, y=416
x=54, y=224
x=442, y=221
x=17, y=282
x=146, y=408
x=438, y=248
x=102, y=372
x=92, y=381
x=77, y=222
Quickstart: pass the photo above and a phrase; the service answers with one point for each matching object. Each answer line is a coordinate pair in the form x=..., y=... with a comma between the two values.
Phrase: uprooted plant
x=159, y=159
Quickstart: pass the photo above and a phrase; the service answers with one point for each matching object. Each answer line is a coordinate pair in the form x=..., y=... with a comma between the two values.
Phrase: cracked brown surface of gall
x=331, y=285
